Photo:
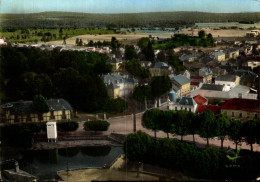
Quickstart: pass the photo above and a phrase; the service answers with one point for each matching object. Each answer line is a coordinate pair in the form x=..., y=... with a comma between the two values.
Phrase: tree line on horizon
x=84, y=20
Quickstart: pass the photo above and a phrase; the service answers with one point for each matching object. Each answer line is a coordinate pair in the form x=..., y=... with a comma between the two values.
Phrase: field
x=45, y=35
x=132, y=38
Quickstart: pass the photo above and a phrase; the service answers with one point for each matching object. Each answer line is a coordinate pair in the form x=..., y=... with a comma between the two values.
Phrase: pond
x=45, y=163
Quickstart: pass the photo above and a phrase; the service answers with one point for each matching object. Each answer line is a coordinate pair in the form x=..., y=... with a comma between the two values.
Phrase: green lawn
x=35, y=35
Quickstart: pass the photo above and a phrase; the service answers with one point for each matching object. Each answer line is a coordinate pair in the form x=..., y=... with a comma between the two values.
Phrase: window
x=248, y=114
x=175, y=108
x=256, y=116
x=240, y=115
x=190, y=109
x=233, y=114
x=181, y=108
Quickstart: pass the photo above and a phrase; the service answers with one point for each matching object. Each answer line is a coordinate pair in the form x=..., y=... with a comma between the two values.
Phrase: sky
x=128, y=6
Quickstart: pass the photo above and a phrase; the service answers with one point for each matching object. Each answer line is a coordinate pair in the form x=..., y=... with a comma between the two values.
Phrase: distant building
x=23, y=112
x=213, y=108
x=119, y=86
x=206, y=73
x=189, y=57
x=159, y=69
x=200, y=100
x=232, y=53
x=253, y=62
x=229, y=81
x=181, y=85
x=185, y=73
x=243, y=109
x=184, y=103
x=219, y=55
x=2, y=42
x=212, y=87
x=216, y=94
x=115, y=63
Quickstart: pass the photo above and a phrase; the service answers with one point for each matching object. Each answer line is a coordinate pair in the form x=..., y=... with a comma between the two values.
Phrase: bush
x=97, y=125
x=68, y=126
x=114, y=106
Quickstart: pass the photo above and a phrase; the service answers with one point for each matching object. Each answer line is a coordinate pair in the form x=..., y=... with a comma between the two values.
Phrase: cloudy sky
x=129, y=6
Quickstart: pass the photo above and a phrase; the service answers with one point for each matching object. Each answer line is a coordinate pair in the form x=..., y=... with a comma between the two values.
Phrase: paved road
x=124, y=125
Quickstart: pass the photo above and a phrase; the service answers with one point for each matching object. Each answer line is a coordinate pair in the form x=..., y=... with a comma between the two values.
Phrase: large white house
x=183, y=103
x=119, y=86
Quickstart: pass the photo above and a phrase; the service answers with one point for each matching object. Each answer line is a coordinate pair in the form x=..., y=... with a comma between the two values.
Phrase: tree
x=130, y=53
x=202, y=34
x=148, y=52
x=77, y=41
x=80, y=42
x=250, y=131
x=91, y=43
x=114, y=43
x=167, y=121
x=137, y=145
x=160, y=85
x=223, y=125
x=141, y=93
x=194, y=124
x=235, y=131
x=208, y=125
x=42, y=84
x=151, y=120
x=117, y=105
x=97, y=125
x=136, y=70
x=182, y=123
x=143, y=42
x=40, y=104
x=161, y=56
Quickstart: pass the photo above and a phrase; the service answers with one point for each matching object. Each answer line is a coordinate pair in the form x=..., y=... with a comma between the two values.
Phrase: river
x=45, y=163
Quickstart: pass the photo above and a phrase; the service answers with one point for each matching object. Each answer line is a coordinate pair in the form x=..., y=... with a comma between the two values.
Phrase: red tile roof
x=196, y=77
x=195, y=83
x=199, y=100
x=242, y=104
x=254, y=59
x=214, y=109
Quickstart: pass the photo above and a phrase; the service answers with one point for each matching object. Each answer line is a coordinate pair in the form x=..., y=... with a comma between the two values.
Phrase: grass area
x=35, y=35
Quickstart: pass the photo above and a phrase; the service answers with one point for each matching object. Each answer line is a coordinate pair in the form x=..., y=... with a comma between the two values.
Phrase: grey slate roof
x=159, y=65
x=180, y=79
x=212, y=87
x=186, y=101
x=227, y=77
x=113, y=60
x=58, y=104
x=116, y=79
x=26, y=107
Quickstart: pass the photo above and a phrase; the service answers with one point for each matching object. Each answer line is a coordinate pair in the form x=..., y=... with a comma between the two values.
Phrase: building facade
x=23, y=112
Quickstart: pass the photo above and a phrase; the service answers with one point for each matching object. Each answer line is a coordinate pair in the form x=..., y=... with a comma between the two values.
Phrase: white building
x=184, y=103
x=119, y=86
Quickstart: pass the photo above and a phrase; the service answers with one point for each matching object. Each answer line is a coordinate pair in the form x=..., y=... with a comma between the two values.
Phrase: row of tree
x=207, y=125
x=192, y=161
